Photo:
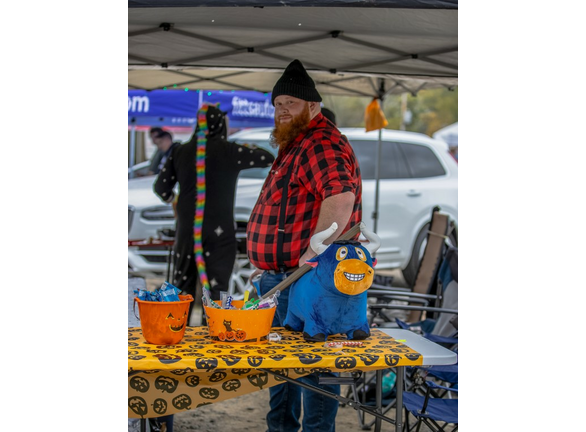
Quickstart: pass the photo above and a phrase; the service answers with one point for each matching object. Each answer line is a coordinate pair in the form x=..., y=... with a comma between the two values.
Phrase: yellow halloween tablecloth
x=167, y=379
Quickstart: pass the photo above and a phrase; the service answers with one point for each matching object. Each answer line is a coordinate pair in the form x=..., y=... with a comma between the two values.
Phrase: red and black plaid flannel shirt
x=324, y=166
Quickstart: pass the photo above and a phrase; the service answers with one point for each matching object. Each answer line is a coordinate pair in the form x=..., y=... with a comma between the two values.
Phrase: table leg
x=143, y=425
x=169, y=258
x=399, y=392
x=379, y=399
x=376, y=412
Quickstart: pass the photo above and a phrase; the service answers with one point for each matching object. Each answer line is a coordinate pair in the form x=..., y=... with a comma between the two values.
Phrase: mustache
x=285, y=133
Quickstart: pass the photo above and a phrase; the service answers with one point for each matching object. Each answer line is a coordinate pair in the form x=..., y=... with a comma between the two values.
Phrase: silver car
x=416, y=174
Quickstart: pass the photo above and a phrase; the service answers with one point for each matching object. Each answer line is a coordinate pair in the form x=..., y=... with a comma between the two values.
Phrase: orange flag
x=374, y=117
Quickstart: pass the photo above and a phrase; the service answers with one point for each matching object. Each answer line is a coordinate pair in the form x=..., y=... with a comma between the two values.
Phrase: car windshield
x=256, y=173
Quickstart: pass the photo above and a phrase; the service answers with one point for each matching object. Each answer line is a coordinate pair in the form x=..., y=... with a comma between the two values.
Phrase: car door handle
x=413, y=193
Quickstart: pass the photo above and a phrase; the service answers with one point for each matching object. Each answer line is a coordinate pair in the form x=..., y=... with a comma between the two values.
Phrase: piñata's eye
x=341, y=253
x=361, y=254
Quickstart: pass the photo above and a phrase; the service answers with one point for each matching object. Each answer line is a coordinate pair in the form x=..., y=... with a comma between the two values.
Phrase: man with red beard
x=314, y=182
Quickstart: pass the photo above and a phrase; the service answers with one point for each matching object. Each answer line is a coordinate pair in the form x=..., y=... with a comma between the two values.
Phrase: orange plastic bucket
x=163, y=323
x=239, y=326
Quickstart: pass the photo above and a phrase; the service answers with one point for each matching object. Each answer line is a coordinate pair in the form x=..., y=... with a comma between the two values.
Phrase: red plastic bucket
x=163, y=323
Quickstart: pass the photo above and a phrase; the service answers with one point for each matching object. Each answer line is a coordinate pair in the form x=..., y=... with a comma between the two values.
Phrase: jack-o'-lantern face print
x=182, y=402
x=399, y=349
x=307, y=358
x=222, y=346
x=345, y=362
x=321, y=350
x=259, y=380
x=231, y=385
x=136, y=357
x=277, y=357
x=168, y=358
x=181, y=371
x=320, y=370
x=160, y=406
x=413, y=356
x=293, y=350
x=192, y=380
x=230, y=360
x=281, y=373
x=255, y=361
x=166, y=384
x=138, y=405
x=206, y=363
x=218, y=376
x=139, y=384
x=176, y=324
x=209, y=393
x=392, y=359
x=368, y=359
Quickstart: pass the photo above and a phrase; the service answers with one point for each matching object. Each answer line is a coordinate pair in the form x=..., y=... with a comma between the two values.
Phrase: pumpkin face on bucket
x=164, y=323
x=176, y=324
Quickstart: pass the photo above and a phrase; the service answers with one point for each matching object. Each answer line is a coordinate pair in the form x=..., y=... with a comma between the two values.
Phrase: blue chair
x=436, y=413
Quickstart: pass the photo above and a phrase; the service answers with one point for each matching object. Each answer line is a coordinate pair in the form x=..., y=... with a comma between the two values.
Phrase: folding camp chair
x=431, y=410
x=444, y=329
x=362, y=390
x=426, y=295
x=442, y=301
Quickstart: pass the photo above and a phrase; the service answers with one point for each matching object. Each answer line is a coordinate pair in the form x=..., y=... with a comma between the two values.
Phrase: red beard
x=285, y=133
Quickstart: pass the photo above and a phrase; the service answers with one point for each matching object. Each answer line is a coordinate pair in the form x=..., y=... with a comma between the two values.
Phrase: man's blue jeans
x=319, y=412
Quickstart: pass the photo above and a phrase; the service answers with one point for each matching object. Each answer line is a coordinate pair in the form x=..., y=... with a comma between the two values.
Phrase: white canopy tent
x=368, y=48
x=361, y=48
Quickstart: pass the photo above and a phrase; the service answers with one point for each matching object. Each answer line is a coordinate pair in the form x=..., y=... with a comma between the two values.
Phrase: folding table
x=165, y=380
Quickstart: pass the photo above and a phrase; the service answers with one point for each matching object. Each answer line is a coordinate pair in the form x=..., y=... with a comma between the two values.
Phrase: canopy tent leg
x=132, y=155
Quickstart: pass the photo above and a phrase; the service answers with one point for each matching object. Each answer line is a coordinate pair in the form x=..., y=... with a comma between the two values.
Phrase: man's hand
x=309, y=254
x=254, y=274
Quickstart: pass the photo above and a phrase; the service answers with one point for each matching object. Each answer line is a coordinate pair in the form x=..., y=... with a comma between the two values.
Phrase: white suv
x=416, y=174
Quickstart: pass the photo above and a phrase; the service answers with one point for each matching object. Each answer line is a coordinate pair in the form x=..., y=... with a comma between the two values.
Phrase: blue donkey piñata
x=331, y=297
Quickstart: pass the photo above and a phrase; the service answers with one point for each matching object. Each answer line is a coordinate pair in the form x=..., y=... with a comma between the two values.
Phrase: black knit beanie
x=297, y=83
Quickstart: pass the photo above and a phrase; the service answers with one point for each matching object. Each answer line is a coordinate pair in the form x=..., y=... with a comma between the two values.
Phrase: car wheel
x=410, y=272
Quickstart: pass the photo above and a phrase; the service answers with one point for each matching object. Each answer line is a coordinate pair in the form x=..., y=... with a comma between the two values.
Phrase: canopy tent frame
x=411, y=44
x=349, y=47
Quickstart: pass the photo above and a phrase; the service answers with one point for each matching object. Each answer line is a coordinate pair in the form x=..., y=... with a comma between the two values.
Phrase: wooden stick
x=306, y=267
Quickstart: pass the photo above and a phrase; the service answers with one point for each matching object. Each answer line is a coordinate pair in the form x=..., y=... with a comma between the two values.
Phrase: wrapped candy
x=269, y=302
x=169, y=292
x=207, y=300
x=165, y=293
